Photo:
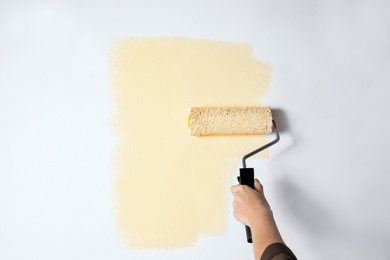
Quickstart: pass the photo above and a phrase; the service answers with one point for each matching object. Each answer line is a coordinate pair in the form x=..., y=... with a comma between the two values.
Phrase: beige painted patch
x=169, y=187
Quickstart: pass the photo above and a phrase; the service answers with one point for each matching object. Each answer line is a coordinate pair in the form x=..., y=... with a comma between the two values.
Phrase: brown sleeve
x=277, y=251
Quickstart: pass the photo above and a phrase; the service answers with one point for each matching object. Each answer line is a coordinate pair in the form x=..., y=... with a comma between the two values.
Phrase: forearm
x=264, y=233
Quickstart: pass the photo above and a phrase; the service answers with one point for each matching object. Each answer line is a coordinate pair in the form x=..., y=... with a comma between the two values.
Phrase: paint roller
x=205, y=121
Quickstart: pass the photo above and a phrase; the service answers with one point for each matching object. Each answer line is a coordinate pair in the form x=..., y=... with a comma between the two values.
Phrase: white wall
x=327, y=179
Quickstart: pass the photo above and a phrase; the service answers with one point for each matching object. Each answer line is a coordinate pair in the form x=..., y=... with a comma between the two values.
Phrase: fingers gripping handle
x=247, y=177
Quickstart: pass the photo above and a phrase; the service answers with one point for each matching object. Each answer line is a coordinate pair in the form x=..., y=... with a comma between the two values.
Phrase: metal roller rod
x=263, y=147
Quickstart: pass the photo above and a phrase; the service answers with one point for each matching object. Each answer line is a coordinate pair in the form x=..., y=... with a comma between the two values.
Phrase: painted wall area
x=184, y=192
x=62, y=194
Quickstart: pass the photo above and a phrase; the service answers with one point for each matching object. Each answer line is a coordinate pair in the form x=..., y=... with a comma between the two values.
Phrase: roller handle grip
x=247, y=177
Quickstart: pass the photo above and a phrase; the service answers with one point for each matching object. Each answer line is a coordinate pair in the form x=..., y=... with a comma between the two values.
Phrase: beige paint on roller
x=230, y=121
x=169, y=187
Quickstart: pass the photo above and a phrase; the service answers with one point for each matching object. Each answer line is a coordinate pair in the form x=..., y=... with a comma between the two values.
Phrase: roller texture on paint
x=230, y=120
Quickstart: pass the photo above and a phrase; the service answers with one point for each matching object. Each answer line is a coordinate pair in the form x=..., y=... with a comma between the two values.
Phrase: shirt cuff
x=277, y=249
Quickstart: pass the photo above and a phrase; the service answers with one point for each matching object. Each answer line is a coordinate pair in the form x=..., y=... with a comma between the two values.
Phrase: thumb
x=258, y=185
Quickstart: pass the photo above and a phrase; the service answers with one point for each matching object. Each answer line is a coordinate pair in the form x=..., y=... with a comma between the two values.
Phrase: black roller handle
x=247, y=177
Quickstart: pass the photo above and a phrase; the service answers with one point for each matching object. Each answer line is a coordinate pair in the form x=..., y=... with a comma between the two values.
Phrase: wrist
x=264, y=228
x=260, y=218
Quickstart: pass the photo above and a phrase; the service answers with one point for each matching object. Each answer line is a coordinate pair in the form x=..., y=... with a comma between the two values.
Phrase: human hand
x=249, y=204
x=252, y=209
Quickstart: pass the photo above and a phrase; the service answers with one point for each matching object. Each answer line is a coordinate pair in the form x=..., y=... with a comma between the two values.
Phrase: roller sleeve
x=230, y=121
